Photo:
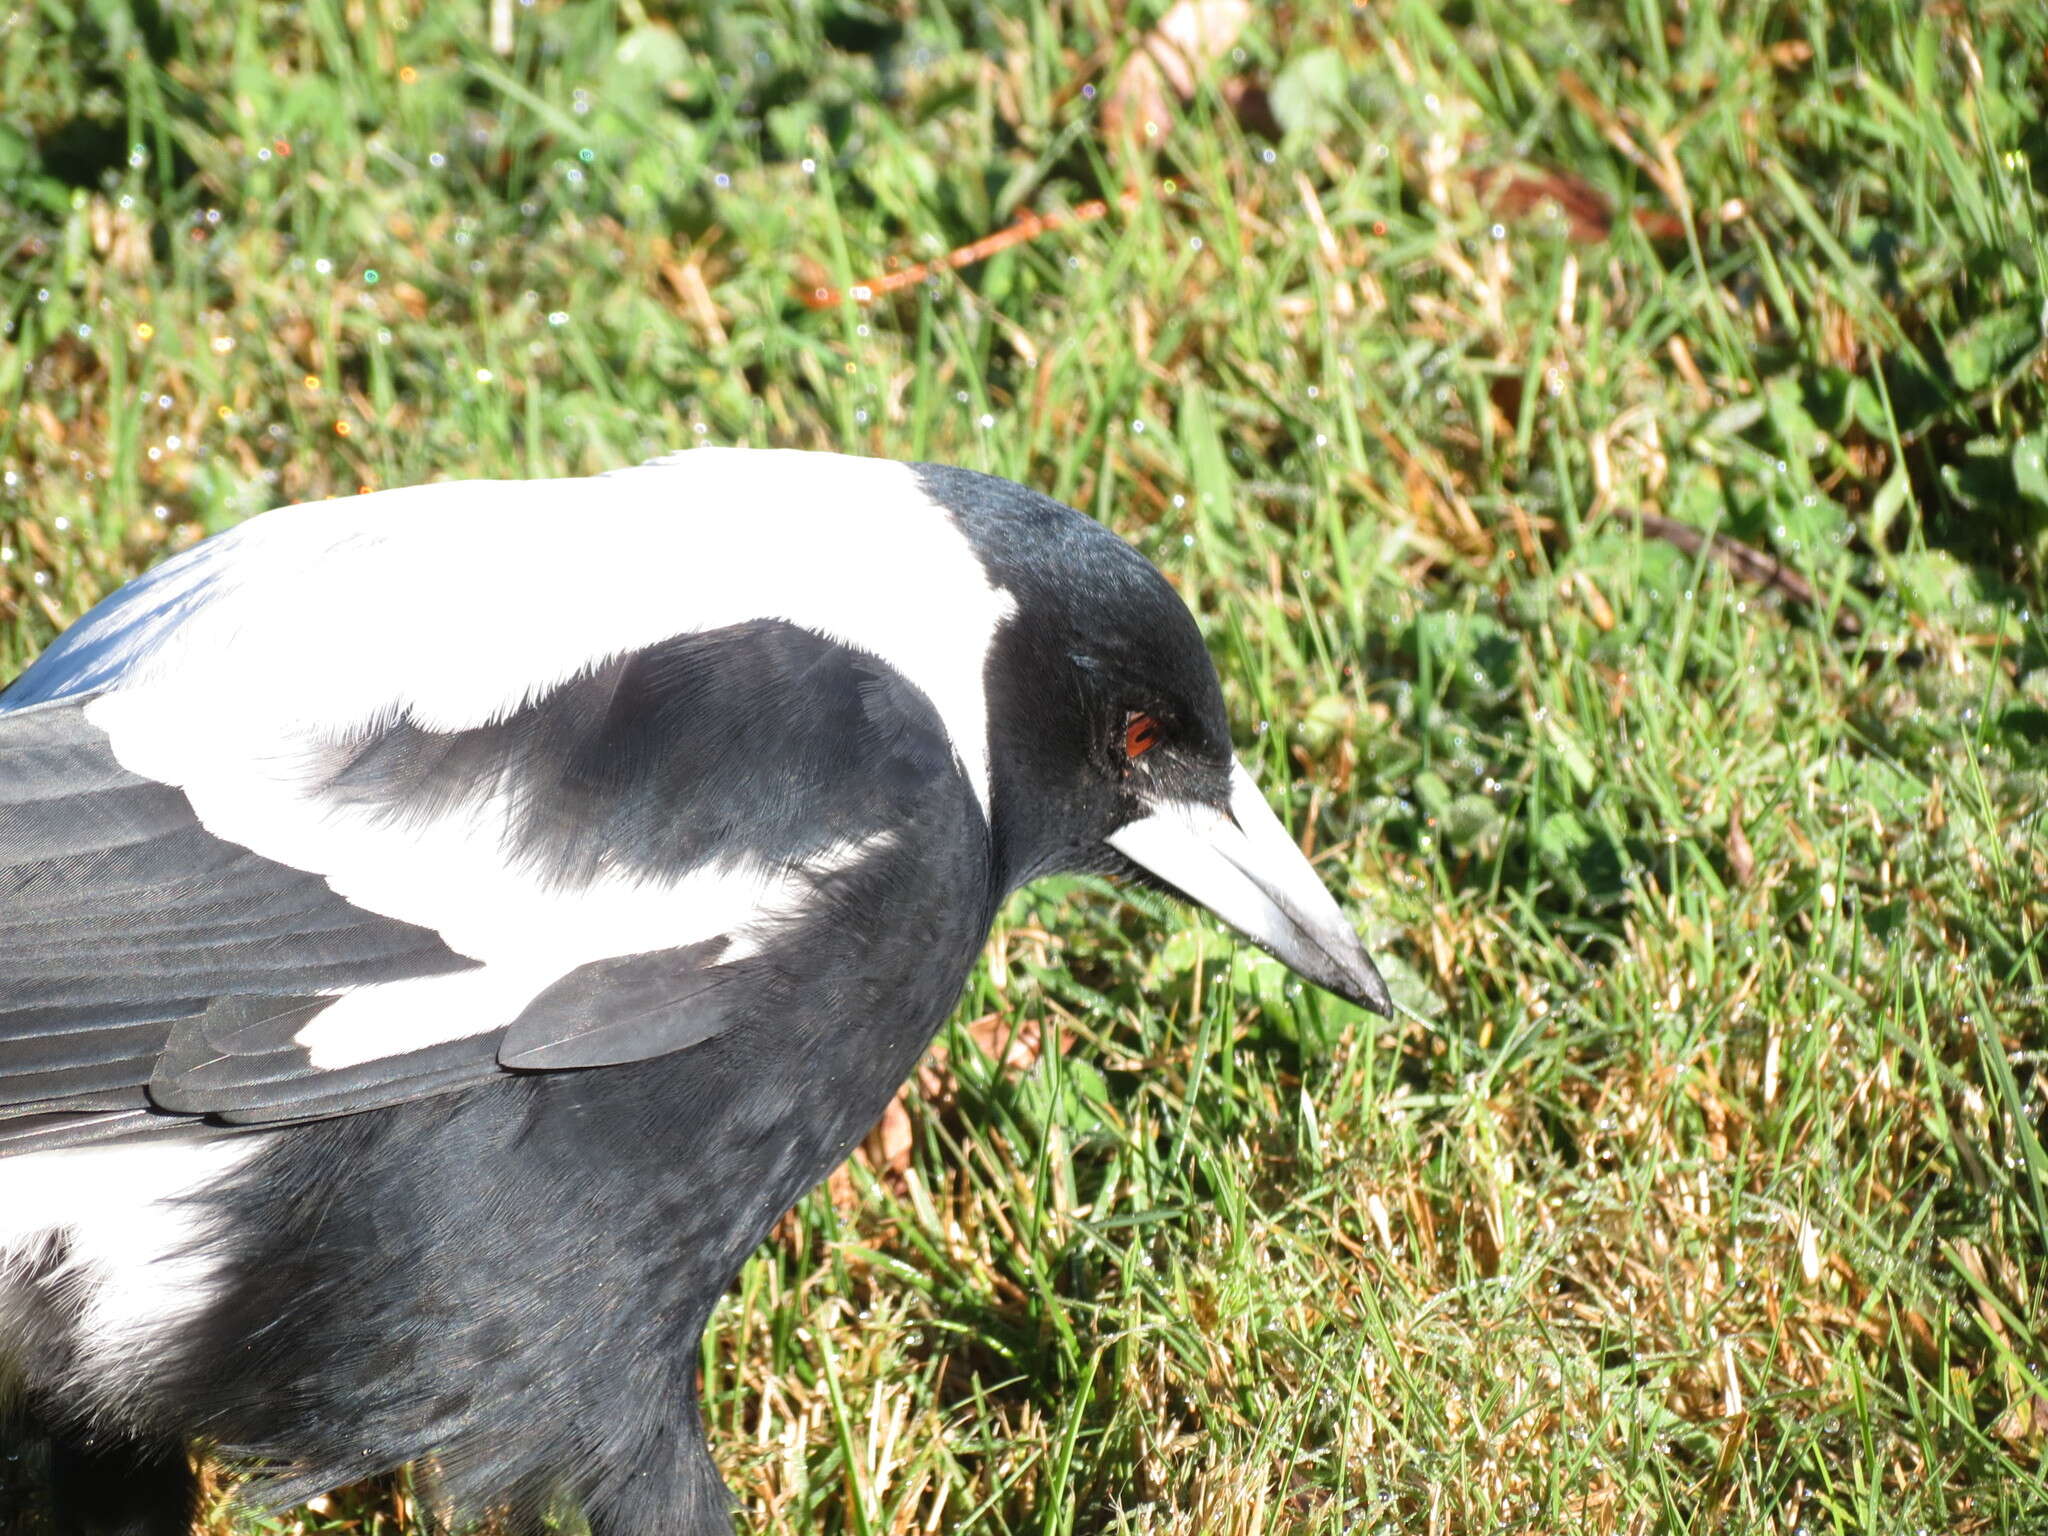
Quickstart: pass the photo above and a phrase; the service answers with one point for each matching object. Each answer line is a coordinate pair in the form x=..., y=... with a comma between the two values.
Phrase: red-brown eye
x=1141, y=734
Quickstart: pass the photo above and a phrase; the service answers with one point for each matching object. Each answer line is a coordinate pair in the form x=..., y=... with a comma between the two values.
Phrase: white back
x=456, y=603
x=225, y=671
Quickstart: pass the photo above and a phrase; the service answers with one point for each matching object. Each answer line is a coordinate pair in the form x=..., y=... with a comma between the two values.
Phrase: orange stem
x=1029, y=226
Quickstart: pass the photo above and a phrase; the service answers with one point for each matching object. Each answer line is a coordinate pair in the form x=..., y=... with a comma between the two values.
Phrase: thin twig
x=1028, y=226
x=1740, y=559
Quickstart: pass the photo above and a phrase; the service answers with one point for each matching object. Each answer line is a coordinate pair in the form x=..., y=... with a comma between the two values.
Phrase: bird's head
x=1109, y=749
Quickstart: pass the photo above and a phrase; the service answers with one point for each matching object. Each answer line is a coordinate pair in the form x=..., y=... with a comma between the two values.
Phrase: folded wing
x=322, y=921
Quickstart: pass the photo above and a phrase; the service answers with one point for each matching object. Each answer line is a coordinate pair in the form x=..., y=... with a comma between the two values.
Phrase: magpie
x=443, y=930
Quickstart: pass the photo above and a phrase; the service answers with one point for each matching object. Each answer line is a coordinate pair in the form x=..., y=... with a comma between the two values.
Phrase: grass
x=1703, y=1187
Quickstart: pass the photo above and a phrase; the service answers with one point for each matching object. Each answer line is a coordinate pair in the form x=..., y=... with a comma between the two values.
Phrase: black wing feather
x=120, y=915
x=624, y=1009
x=48, y=1131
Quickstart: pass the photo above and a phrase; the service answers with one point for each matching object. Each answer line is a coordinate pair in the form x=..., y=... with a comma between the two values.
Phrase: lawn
x=1607, y=448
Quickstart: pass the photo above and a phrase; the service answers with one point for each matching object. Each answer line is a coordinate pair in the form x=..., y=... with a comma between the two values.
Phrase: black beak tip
x=1346, y=971
x=1368, y=989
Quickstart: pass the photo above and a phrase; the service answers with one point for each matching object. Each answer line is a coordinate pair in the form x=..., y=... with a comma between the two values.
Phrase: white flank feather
x=136, y=1263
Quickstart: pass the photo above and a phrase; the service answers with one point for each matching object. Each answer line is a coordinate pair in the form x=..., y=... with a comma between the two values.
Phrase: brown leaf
x=1514, y=192
x=410, y=299
x=1016, y=1045
x=887, y=1147
x=1740, y=859
x=839, y=1187
x=1168, y=64
x=120, y=236
x=1921, y=1337
x=46, y=421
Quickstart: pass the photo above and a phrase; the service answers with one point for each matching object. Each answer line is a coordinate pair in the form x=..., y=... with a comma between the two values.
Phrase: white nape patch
x=134, y=1239
x=529, y=936
x=454, y=604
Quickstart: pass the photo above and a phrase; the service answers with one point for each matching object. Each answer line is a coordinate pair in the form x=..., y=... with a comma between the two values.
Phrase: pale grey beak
x=1242, y=865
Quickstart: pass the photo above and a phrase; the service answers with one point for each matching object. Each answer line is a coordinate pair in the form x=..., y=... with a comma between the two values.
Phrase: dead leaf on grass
x=1168, y=65
x=1741, y=861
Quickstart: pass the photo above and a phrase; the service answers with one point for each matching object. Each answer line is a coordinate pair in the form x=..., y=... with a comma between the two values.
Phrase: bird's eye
x=1141, y=734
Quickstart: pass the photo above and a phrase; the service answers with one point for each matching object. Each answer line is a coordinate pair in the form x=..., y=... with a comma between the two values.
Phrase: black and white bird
x=441, y=931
